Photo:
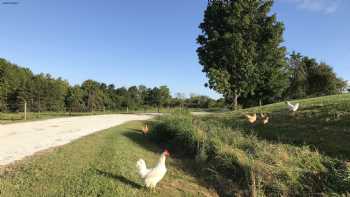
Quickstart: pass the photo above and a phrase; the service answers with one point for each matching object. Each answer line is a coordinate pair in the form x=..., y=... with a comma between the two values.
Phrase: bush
x=176, y=131
x=235, y=162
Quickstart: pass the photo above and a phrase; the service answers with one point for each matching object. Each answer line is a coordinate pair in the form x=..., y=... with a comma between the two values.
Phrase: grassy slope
x=102, y=164
x=273, y=156
x=322, y=122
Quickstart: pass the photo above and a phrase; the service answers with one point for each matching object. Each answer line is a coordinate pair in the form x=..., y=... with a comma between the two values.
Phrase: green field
x=6, y=118
x=102, y=164
x=13, y=117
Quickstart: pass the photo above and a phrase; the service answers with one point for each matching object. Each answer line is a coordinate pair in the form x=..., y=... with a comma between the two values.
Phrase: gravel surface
x=24, y=139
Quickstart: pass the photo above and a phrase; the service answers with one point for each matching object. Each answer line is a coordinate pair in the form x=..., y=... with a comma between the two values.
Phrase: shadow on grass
x=118, y=178
x=330, y=138
x=328, y=133
x=143, y=140
x=179, y=160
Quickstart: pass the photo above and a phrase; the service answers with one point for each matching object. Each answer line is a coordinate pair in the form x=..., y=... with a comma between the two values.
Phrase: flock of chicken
x=253, y=118
x=151, y=176
x=265, y=118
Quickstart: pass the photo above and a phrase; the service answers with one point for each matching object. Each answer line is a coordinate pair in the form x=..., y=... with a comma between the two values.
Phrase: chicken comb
x=166, y=151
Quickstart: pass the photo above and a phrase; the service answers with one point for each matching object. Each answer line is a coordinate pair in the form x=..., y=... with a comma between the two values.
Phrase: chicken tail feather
x=142, y=168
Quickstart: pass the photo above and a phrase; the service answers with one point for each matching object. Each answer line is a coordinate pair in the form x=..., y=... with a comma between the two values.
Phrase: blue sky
x=150, y=42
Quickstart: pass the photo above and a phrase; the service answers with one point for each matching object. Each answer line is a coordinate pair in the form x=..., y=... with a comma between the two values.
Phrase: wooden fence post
x=25, y=110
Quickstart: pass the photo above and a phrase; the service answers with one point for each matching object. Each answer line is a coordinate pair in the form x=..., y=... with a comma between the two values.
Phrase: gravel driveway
x=23, y=139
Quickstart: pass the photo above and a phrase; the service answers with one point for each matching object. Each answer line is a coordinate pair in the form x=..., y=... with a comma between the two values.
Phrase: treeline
x=43, y=92
x=304, y=77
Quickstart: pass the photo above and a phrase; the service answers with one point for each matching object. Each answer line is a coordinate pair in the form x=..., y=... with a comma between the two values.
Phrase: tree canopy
x=239, y=42
x=310, y=78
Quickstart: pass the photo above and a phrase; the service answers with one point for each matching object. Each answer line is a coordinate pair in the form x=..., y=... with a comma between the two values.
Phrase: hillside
x=304, y=153
x=323, y=123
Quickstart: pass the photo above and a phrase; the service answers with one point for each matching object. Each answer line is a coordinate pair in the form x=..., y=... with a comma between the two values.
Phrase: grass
x=296, y=154
x=14, y=117
x=300, y=154
x=102, y=164
x=6, y=118
x=322, y=123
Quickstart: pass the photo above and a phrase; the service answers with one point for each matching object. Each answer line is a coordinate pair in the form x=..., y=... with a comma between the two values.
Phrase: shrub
x=176, y=131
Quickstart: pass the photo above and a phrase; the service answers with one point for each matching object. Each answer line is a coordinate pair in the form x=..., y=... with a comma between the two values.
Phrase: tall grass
x=239, y=163
x=177, y=132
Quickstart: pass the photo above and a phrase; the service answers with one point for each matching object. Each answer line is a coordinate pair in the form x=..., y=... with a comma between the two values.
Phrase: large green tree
x=134, y=98
x=298, y=77
x=310, y=78
x=93, y=95
x=74, y=99
x=240, y=48
x=158, y=97
x=164, y=93
x=322, y=80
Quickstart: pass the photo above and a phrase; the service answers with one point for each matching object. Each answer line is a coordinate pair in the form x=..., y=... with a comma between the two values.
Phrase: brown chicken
x=251, y=119
x=145, y=129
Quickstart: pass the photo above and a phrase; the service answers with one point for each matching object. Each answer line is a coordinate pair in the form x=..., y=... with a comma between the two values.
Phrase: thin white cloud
x=325, y=6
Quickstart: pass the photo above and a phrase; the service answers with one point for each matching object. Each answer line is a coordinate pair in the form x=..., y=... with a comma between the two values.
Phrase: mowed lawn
x=102, y=164
x=14, y=117
x=6, y=118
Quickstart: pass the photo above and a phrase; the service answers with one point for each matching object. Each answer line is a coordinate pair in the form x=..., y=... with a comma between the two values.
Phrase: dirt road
x=23, y=139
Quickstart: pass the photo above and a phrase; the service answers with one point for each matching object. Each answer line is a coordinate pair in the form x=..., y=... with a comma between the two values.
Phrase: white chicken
x=265, y=120
x=152, y=176
x=292, y=107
